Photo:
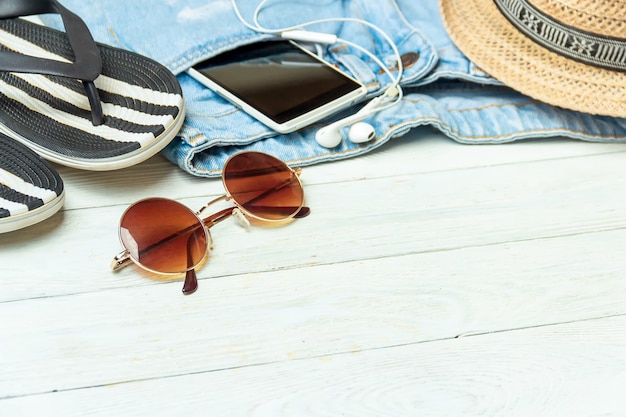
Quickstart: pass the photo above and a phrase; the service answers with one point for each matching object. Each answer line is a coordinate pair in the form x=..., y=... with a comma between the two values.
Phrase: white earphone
x=359, y=132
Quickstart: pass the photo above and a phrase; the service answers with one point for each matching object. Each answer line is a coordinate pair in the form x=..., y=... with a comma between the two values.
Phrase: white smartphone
x=279, y=83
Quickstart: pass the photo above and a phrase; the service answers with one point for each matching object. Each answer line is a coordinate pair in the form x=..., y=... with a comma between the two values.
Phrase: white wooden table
x=431, y=279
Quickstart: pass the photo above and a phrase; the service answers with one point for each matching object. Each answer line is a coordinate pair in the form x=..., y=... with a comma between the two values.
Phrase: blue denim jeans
x=442, y=88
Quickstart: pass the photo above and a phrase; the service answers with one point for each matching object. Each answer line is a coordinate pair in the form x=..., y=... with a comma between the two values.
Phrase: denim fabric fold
x=443, y=88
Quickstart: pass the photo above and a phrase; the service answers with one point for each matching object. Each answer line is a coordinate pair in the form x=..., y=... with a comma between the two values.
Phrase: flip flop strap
x=88, y=62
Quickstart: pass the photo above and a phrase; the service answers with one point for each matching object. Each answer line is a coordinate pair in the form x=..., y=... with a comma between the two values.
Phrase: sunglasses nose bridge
x=210, y=203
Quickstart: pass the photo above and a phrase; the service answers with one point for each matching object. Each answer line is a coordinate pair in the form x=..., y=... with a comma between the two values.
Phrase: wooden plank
x=152, y=332
x=354, y=220
x=352, y=311
x=575, y=369
x=421, y=151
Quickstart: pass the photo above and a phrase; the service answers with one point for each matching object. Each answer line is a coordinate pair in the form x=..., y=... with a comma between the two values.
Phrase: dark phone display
x=277, y=78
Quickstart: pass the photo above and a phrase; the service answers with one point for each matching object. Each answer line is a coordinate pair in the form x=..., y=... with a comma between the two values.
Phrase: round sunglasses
x=165, y=237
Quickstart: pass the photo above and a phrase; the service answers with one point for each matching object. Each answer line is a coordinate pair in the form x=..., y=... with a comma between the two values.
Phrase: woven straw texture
x=600, y=17
x=488, y=39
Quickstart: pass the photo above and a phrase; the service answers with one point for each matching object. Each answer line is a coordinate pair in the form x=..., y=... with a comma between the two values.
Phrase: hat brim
x=490, y=41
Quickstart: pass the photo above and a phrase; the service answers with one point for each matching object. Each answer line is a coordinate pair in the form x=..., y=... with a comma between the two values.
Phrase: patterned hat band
x=585, y=47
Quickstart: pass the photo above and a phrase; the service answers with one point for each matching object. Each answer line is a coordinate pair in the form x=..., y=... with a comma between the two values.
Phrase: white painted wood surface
x=431, y=279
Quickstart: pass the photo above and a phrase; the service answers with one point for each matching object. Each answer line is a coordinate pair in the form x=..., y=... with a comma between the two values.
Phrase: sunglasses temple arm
x=210, y=203
x=303, y=212
x=226, y=213
x=120, y=260
x=215, y=218
x=191, y=280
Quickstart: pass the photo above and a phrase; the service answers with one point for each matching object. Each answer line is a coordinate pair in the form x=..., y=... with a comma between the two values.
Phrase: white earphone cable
x=329, y=136
x=277, y=31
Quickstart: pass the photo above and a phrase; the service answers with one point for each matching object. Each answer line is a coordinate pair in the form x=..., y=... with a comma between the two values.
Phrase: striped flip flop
x=79, y=103
x=30, y=189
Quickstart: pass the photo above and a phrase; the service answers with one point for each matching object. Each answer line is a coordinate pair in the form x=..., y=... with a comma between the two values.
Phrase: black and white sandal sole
x=141, y=99
x=30, y=189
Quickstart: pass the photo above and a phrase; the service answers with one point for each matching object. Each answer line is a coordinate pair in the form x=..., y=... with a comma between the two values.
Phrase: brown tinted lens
x=163, y=235
x=263, y=185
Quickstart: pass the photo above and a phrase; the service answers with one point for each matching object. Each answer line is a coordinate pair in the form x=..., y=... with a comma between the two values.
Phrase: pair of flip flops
x=74, y=102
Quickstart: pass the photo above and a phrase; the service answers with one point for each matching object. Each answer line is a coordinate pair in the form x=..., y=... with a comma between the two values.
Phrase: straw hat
x=568, y=53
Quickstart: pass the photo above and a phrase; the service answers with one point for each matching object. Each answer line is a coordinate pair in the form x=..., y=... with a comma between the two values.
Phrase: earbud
x=360, y=132
x=330, y=136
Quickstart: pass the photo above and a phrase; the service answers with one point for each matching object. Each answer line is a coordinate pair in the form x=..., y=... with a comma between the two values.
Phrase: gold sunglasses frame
x=190, y=285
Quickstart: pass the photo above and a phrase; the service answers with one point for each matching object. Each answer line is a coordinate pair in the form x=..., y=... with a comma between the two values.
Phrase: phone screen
x=277, y=78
